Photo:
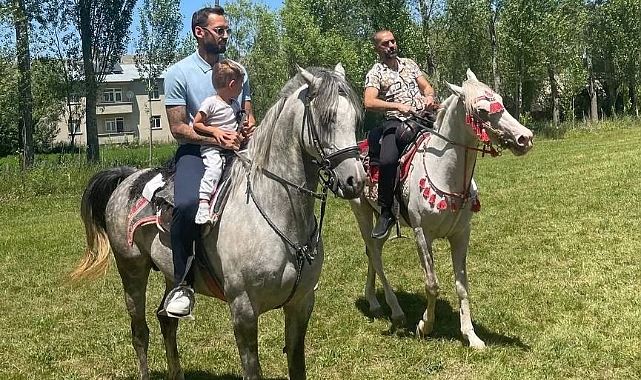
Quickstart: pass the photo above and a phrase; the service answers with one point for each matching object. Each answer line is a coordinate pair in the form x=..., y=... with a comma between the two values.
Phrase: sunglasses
x=220, y=31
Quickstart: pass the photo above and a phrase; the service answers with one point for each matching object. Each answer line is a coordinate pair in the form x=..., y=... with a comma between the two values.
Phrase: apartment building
x=122, y=110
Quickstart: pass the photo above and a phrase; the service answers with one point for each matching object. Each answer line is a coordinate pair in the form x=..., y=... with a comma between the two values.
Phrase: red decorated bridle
x=480, y=128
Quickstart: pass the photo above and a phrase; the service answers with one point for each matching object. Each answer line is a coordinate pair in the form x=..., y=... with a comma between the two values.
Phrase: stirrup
x=192, y=302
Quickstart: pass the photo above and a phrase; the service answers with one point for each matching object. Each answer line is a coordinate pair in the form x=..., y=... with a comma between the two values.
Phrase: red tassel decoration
x=421, y=183
x=363, y=146
x=484, y=137
x=476, y=205
x=432, y=199
x=426, y=193
x=468, y=119
x=442, y=205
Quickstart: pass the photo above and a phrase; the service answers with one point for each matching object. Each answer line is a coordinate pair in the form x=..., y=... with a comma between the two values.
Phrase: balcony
x=114, y=108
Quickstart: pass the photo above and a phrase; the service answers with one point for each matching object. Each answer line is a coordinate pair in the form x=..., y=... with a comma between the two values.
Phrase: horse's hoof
x=399, y=321
x=423, y=329
x=476, y=343
x=377, y=312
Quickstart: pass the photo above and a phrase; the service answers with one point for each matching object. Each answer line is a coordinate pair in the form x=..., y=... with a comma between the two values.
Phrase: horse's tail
x=92, y=210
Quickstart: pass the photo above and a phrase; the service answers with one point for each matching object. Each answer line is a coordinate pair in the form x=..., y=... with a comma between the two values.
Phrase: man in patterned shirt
x=397, y=87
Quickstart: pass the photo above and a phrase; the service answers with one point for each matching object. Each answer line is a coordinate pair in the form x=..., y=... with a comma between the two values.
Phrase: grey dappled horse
x=439, y=195
x=261, y=245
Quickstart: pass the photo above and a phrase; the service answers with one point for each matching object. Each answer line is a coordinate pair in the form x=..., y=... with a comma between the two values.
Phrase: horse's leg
x=296, y=319
x=374, y=248
x=245, y=321
x=426, y=257
x=459, y=244
x=169, y=327
x=134, y=273
x=370, y=288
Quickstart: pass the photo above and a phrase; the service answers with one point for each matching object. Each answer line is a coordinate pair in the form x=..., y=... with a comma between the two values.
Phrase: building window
x=155, y=93
x=155, y=122
x=74, y=127
x=116, y=125
x=112, y=95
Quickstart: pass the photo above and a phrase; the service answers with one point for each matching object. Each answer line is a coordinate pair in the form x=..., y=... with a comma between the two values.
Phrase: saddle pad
x=405, y=161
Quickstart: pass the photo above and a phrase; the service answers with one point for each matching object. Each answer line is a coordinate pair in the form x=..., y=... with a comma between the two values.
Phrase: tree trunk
x=91, y=88
x=633, y=97
x=554, y=89
x=594, y=111
x=495, y=50
x=24, y=84
x=425, y=8
x=518, y=101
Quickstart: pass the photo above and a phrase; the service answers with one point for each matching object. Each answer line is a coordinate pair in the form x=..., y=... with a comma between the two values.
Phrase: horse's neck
x=288, y=207
x=450, y=166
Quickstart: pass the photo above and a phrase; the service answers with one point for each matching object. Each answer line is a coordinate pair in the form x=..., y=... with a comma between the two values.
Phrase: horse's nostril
x=523, y=141
x=350, y=181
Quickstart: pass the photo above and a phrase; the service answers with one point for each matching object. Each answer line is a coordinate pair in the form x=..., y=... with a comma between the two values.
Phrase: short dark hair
x=224, y=72
x=200, y=17
x=375, y=35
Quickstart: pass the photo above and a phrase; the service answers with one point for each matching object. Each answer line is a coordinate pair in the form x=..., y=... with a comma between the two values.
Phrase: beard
x=391, y=53
x=213, y=48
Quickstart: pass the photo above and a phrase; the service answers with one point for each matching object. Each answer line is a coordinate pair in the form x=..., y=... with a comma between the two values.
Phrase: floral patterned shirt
x=397, y=86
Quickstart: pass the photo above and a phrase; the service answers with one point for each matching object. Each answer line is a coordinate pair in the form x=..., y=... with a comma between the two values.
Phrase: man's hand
x=430, y=102
x=227, y=139
x=404, y=109
x=249, y=126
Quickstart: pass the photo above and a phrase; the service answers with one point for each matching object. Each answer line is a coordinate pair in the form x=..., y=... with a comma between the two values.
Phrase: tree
x=257, y=44
x=160, y=23
x=64, y=42
x=21, y=25
x=103, y=27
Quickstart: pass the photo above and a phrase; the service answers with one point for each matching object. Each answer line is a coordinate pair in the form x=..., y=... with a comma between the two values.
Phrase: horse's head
x=332, y=112
x=488, y=117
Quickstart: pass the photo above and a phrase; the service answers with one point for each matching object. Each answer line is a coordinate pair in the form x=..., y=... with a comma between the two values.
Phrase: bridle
x=326, y=163
x=480, y=128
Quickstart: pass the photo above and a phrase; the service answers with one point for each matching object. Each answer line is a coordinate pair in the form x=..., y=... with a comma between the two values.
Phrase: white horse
x=266, y=249
x=439, y=195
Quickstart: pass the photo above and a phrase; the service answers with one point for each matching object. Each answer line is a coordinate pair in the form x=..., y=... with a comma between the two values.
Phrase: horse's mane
x=440, y=115
x=325, y=103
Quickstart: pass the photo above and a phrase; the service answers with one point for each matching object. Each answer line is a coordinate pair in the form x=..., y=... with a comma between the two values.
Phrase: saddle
x=153, y=192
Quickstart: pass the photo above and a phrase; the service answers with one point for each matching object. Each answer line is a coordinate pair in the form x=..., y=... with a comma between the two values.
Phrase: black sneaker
x=385, y=222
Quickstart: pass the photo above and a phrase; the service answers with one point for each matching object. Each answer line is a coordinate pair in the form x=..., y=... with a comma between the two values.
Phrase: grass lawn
x=553, y=269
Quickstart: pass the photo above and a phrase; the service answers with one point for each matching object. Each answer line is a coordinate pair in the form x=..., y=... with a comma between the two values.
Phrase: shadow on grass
x=198, y=375
x=446, y=326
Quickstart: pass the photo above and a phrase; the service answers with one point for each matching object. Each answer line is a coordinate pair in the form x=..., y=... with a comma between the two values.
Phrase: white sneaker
x=202, y=216
x=181, y=301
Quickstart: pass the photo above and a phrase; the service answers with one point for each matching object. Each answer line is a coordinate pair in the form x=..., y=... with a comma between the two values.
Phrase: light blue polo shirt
x=188, y=83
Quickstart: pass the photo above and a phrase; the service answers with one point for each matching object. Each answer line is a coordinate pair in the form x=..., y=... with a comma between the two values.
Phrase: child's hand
x=227, y=139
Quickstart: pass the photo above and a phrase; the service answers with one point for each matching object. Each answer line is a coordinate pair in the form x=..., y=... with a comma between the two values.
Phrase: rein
x=487, y=145
x=326, y=165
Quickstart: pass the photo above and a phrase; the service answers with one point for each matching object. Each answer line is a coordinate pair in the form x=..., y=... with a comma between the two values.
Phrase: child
x=217, y=114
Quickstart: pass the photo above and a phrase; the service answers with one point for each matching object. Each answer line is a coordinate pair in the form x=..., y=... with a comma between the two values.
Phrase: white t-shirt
x=219, y=113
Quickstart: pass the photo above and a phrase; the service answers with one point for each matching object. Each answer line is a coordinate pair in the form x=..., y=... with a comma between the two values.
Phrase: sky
x=188, y=7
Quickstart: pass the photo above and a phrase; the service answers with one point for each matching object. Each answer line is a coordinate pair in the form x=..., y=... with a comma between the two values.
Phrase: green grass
x=553, y=268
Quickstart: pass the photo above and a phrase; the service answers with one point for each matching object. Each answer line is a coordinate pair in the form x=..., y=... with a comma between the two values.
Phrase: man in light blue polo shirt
x=187, y=84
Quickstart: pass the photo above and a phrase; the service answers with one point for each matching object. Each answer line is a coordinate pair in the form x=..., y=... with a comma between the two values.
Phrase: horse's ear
x=457, y=90
x=471, y=75
x=340, y=70
x=311, y=80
